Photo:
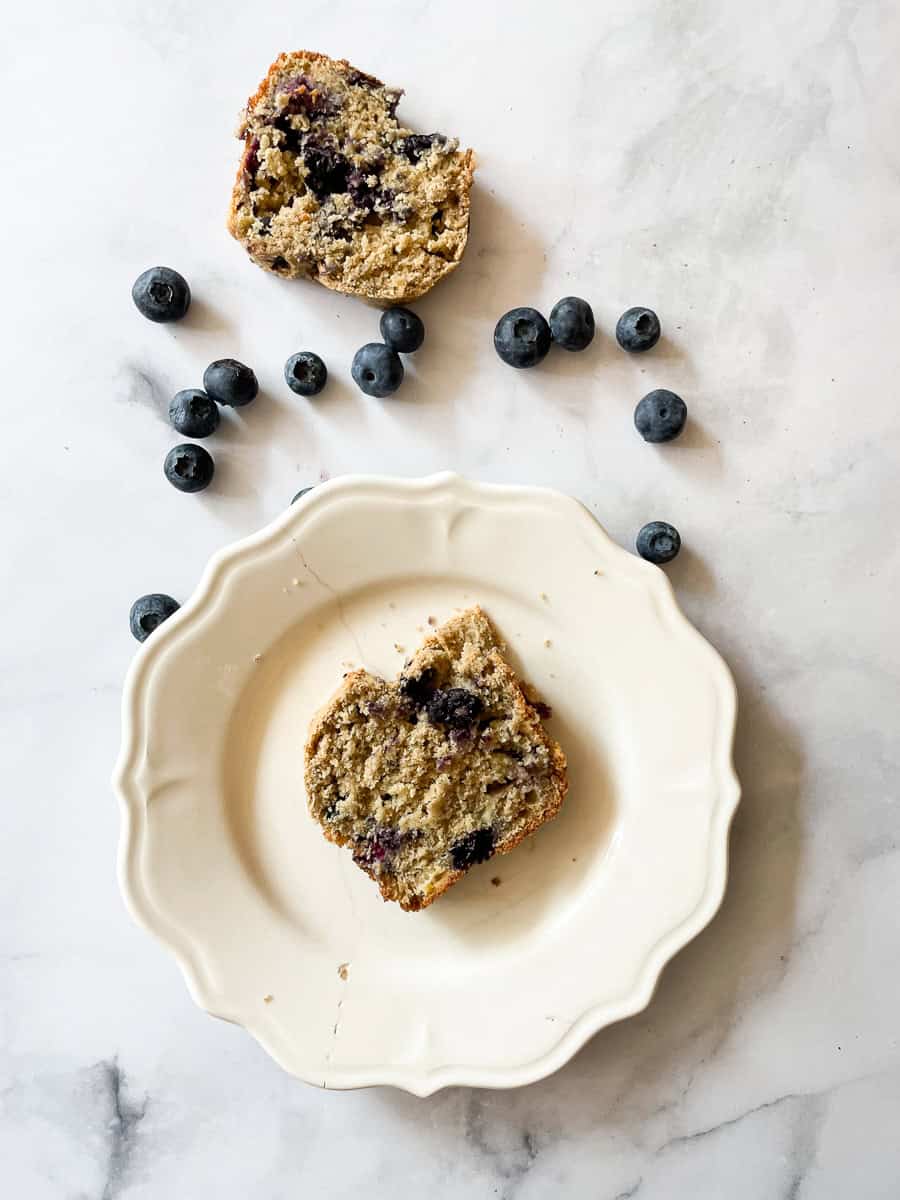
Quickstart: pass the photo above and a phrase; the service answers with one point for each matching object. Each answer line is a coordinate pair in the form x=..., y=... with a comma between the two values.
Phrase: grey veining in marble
x=735, y=166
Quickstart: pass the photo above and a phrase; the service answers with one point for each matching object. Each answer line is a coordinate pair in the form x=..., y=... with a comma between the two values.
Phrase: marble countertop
x=734, y=166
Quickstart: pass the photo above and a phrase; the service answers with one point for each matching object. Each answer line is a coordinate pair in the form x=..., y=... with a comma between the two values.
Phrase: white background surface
x=735, y=167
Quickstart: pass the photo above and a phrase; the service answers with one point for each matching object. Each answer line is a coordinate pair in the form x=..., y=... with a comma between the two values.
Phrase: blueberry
x=359, y=191
x=638, y=329
x=572, y=323
x=522, y=337
x=475, y=847
x=161, y=294
x=302, y=492
x=230, y=383
x=660, y=416
x=305, y=373
x=382, y=843
x=377, y=369
x=251, y=160
x=456, y=708
x=193, y=413
x=419, y=688
x=327, y=172
x=189, y=468
x=416, y=144
x=402, y=330
x=307, y=96
x=658, y=542
x=385, y=841
x=149, y=611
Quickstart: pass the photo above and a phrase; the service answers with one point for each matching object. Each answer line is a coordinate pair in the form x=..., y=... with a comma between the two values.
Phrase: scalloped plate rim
x=419, y=1082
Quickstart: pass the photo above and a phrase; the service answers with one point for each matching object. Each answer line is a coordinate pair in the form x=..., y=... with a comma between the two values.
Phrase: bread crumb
x=344, y=970
x=496, y=881
x=257, y=658
x=547, y=643
x=545, y=597
x=432, y=620
x=598, y=572
x=398, y=648
x=267, y=999
x=295, y=582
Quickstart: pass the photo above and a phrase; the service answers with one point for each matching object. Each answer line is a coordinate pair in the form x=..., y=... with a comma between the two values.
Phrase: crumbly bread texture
x=427, y=776
x=330, y=186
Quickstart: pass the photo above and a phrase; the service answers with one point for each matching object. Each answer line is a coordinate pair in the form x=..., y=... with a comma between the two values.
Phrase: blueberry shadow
x=668, y=352
x=695, y=450
x=240, y=463
x=282, y=435
x=201, y=317
x=689, y=574
x=303, y=426
x=271, y=420
x=695, y=436
x=339, y=400
x=228, y=481
x=568, y=364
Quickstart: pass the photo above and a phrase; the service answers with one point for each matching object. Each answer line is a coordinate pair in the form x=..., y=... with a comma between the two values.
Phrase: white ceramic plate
x=276, y=929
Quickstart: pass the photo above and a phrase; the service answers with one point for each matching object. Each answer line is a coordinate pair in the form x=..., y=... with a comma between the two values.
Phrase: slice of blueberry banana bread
x=427, y=776
x=331, y=186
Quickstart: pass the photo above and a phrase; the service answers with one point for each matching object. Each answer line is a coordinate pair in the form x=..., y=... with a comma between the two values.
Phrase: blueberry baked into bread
x=449, y=765
x=331, y=186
